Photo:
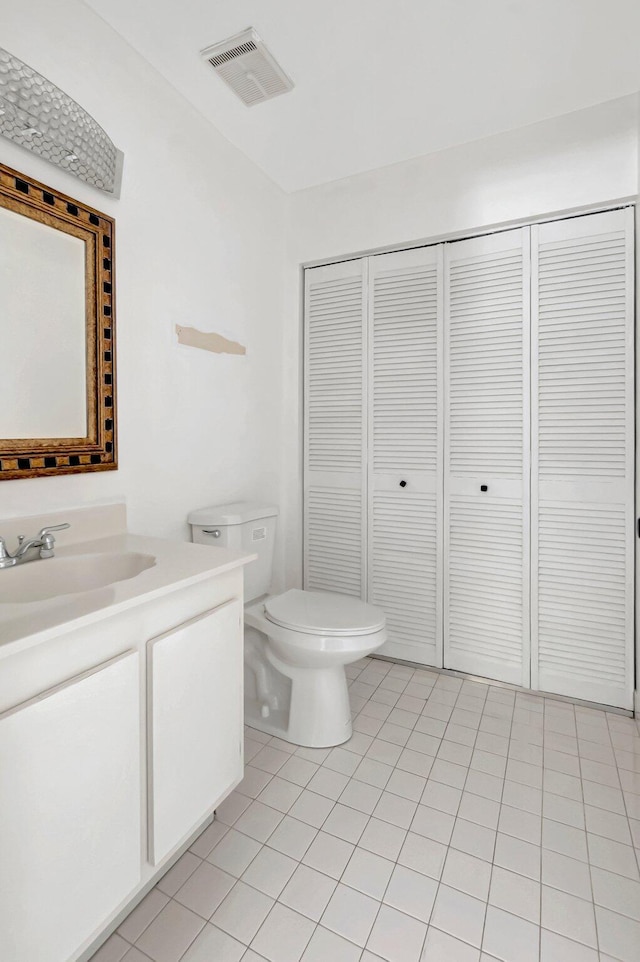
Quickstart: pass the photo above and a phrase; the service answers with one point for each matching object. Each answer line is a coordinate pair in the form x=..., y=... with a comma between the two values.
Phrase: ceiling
x=381, y=81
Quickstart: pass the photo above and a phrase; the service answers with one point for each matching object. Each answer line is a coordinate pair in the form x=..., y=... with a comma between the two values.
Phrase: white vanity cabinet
x=194, y=693
x=70, y=810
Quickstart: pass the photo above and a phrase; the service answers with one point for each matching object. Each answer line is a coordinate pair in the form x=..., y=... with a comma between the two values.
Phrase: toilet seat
x=323, y=613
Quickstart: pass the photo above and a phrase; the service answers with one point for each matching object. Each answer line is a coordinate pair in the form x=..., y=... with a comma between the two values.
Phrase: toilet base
x=318, y=714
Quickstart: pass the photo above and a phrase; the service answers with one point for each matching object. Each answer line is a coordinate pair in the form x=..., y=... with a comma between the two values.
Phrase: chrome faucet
x=45, y=541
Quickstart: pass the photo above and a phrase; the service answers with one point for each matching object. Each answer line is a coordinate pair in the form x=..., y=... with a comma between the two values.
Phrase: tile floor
x=461, y=823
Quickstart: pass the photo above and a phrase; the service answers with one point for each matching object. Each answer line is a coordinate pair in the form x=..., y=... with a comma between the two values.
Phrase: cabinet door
x=583, y=470
x=405, y=456
x=70, y=815
x=335, y=428
x=195, y=717
x=487, y=456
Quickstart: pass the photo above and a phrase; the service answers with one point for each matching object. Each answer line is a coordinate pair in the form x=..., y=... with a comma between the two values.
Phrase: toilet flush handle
x=214, y=531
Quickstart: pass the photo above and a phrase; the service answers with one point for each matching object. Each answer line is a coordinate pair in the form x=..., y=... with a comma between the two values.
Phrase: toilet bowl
x=297, y=643
x=306, y=637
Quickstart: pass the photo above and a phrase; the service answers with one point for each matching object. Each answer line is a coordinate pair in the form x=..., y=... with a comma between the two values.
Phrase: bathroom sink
x=51, y=577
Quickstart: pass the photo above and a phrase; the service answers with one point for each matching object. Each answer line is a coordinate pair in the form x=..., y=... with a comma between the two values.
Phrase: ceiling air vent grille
x=245, y=64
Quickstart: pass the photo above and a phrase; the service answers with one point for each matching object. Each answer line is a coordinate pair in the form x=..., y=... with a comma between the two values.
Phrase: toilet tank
x=243, y=526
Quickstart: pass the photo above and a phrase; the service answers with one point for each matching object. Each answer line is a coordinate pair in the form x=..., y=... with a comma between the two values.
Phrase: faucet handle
x=6, y=560
x=47, y=539
x=53, y=527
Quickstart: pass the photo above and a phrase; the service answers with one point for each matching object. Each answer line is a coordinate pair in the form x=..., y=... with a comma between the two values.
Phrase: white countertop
x=177, y=565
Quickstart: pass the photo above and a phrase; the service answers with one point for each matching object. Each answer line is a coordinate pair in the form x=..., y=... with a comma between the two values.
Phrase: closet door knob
x=403, y=484
x=484, y=487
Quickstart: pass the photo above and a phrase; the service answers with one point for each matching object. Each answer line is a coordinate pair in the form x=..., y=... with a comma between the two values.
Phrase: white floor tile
x=567, y=874
x=284, y=935
x=329, y=783
x=615, y=892
x=259, y=821
x=280, y=794
x=433, y=824
x=308, y=892
x=569, y=916
x=269, y=872
x=206, y=842
x=415, y=762
x=524, y=825
x=509, y=938
x=351, y=914
x=346, y=823
x=170, y=934
x=367, y=872
x=328, y=854
x=564, y=839
x=482, y=811
x=254, y=781
x=613, y=856
x=311, y=808
x=342, y=761
x=361, y=796
x=179, y=873
x=234, y=853
x=243, y=912
x=619, y=936
x=441, y=947
x=411, y=892
x=213, y=943
x=516, y=894
x=143, y=915
x=327, y=946
x=556, y=948
x=113, y=950
x=440, y=796
x=292, y=837
x=229, y=811
x=298, y=770
x=459, y=914
x=423, y=855
x=467, y=874
x=398, y=811
x=270, y=759
x=473, y=839
x=406, y=785
x=205, y=889
x=518, y=856
x=382, y=838
x=396, y=937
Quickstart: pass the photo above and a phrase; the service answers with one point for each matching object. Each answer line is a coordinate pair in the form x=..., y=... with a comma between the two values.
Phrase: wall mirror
x=57, y=338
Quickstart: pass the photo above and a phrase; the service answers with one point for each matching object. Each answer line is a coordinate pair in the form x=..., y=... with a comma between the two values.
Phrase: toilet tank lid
x=237, y=512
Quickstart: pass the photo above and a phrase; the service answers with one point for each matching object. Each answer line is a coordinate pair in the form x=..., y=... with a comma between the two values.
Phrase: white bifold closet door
x=486, y=456
x=335, y=476
x=405, y=460
x=583, y=451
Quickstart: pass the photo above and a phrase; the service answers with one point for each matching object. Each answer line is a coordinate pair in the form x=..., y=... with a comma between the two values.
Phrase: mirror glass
x=42, y=330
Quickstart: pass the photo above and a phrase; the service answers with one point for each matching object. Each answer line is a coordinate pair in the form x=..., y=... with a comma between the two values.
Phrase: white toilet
x=297, y=643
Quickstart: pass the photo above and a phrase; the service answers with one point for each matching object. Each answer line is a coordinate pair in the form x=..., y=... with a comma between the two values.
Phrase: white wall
x=200, y=241
x=583, y=158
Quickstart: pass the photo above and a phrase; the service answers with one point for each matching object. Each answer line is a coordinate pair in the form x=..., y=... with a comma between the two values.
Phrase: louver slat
x=405, y=556
x=335, y=405
x=486, y=444
x=582, y=483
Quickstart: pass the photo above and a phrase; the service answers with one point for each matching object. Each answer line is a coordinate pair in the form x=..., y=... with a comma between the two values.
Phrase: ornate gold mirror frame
x=32, y=457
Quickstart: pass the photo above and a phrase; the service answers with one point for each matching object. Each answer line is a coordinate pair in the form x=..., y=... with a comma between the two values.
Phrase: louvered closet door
x=405, y=527
x=582, y=485
x=486, y=456
x=335, y=442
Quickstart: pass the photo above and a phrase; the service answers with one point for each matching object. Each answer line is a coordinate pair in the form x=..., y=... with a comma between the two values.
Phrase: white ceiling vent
x=245, y=64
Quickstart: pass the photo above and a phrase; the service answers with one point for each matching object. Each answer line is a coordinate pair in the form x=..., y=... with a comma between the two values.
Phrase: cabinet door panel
x=335, y=428
x=583, y=451
x=70, y=845
x=487, y=456
x=405, y=450
x=195, y=718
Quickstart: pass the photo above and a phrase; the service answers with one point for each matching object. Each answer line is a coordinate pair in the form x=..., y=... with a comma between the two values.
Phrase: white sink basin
x=51, y=577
